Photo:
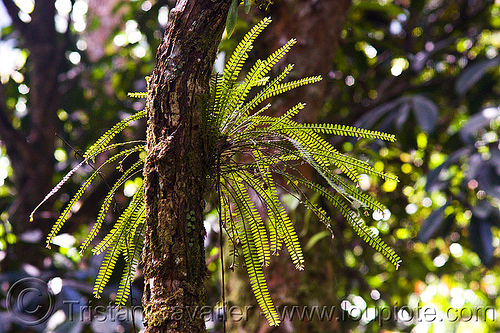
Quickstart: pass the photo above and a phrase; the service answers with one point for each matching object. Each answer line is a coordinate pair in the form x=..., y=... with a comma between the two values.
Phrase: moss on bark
x=175, y=169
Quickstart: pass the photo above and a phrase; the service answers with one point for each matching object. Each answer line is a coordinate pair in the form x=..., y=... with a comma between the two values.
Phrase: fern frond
x=107, y=200
x=349, y=190
x=257, y=72
x=255, y=271
x=139, y=94
x=261, y=95
x=246, y=209
x=107, y=266
x=240, y=54
x=127, y=220
x=57, y=187
x=125, y=238
x=65, y=214
x=133, y=257
x=356, y=222
x=280, y=223
x=284, y=87
x=284, y=226
x=350, y=131
x=110, y=134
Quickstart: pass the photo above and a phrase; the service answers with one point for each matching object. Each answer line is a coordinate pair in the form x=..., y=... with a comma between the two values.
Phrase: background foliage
x=426, y=71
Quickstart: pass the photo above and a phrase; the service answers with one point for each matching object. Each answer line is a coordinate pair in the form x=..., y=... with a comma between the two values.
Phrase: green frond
x=127, y=220
x=280, y=225
x=373, y=240
x=110, y=134
x=240, y=54
x=261, y=82
x=126, y=238
x=318, y=211
x=288, y=115
x=63, y=217
x=72, y=171
x=140, y=145
x=349, y=190
x=67, y=211
x=107, y=267
x=255, y=272
x=275, y=57
x=256, y=73
x=107, y=201
x=356, y=222
x=139, y=94
x=344, y=130
x=284, y=87
x=317, y=152
x=133, y=257
x=57, y=187
x=276, y=211
x=246, y=210
x=263, y=93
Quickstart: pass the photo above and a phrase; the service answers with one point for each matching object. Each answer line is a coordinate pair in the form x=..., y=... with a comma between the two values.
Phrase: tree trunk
x=175, y=171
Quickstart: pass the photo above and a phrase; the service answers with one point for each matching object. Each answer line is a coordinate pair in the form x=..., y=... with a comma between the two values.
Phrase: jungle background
x=427, y=71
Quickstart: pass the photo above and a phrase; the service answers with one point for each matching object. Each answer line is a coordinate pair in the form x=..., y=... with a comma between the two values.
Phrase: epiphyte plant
x=247, y=152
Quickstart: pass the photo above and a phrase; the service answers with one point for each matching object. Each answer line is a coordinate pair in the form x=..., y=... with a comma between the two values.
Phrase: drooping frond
x=111, y=133
x=126, y=237
x=108, y=265
x=249, y=147
x=57, y=187
x=253, y=260
x=128, y=220
x=67, y=211
x=246, y=210
x=355, y=221
x=107, y=200
x=132, y=259
x=280, y=225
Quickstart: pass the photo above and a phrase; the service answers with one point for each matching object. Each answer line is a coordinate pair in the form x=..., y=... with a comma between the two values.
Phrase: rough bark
x=175, y=170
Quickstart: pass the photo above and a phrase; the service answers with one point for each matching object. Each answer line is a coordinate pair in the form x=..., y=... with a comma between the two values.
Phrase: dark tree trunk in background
x=31, y=153
x=175, y=172
x=317, y=26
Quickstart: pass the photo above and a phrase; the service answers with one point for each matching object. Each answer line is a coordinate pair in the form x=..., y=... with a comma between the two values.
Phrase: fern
x=245, y=151
x=110, y=134
x=236, y=127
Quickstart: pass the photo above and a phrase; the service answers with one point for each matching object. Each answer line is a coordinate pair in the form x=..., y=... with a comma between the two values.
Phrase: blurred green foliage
x=426, y=71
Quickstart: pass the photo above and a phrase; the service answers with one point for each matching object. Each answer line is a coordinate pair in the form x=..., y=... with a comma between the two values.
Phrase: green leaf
x=473, y=73
x=231, y=18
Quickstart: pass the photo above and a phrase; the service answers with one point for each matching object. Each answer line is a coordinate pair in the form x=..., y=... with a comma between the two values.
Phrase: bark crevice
x=175, y=170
